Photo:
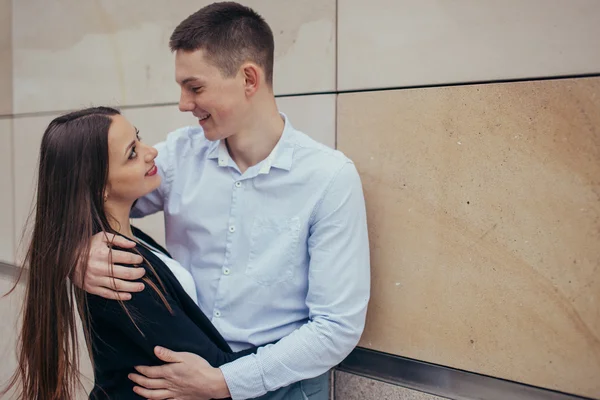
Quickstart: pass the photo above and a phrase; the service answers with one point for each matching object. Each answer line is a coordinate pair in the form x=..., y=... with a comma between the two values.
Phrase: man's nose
x=186, y=103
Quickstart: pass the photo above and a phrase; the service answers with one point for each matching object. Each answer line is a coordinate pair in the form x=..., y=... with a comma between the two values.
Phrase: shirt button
x=232, y=229
x=217, y=313
x=238, y=184
x=226, y=271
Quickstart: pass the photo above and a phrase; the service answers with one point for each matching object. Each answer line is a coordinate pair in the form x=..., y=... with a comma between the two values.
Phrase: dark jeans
x=310, y=389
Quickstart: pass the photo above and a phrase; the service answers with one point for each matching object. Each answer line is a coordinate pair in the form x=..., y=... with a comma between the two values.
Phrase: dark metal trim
x=440, y=380
x=9, y=271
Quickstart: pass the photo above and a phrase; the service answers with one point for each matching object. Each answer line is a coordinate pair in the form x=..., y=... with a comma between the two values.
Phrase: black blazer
x=118, y=344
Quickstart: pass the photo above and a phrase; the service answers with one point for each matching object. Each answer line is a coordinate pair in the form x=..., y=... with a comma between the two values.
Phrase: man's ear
x=253, y=75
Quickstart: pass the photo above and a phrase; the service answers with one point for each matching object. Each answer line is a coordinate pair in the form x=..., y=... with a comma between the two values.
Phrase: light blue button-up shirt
x=278, y=252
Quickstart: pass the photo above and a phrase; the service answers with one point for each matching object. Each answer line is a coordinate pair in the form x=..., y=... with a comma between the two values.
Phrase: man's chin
x=213, y=136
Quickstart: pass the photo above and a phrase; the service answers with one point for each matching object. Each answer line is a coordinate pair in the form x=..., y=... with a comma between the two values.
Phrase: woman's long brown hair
x=73, y=171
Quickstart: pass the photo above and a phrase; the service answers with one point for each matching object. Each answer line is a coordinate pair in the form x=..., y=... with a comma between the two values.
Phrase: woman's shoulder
x=144, y=237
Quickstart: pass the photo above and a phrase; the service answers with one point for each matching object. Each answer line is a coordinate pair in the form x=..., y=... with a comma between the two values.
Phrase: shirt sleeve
x=338, y=294
x=146, y=320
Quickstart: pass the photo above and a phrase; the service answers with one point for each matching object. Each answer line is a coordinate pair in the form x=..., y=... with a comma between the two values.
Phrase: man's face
x=219, y=103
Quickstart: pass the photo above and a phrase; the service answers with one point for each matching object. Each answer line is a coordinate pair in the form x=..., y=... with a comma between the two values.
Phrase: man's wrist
x=218, y=385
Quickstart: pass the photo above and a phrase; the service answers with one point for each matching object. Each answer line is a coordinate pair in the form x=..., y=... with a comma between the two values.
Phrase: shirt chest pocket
x=273, y=247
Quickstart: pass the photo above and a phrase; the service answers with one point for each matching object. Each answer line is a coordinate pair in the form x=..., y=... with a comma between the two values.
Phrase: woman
x=92, y=169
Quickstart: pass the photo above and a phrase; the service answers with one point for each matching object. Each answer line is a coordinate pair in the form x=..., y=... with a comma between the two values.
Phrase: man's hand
x=99, y=279
x=186, y=377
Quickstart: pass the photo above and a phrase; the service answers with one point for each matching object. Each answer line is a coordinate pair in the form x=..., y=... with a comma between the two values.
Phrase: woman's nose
x=150, y=154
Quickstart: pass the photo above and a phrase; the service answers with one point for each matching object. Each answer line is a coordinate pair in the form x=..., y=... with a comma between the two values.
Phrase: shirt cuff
x=244, y=378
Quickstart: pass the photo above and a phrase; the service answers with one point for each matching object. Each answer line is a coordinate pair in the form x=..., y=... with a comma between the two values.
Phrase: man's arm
x=338, y=294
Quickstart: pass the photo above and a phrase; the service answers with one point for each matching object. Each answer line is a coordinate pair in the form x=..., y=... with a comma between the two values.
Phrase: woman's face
x=131, y=170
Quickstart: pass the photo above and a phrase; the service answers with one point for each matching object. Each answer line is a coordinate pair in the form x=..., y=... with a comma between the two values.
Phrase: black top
x=118, y=345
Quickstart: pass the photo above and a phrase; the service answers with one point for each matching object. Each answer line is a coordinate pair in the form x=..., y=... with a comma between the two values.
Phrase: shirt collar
x=281, y=156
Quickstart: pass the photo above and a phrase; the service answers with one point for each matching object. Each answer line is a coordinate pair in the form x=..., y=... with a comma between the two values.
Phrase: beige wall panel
x=484, y=217
x=117, y=52
x=6, y=57
x=392, y=43
x=313, y=115
x=354, y=387
x=6, y=187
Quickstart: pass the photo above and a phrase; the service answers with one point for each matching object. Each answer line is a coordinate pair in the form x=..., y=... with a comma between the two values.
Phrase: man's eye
x=196, y=89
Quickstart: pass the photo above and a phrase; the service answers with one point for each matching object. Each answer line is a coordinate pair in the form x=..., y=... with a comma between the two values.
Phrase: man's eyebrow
x=188, y=80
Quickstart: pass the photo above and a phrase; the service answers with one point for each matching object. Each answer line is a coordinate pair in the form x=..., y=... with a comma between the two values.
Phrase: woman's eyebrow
x=130, y=146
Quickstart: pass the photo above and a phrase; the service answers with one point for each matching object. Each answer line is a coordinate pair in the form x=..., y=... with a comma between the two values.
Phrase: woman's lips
x=152, y=171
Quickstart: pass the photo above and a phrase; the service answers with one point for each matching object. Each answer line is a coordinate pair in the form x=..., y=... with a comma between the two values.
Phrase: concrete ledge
x=9, y=271
x=442, y=381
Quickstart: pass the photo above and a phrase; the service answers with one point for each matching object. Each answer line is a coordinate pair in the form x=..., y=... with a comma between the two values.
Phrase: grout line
x=337, y=86
x=13, y=182
x=335, y=123
x=337, y=92
x=58, y=112
x=472, y=83
x=337, y=51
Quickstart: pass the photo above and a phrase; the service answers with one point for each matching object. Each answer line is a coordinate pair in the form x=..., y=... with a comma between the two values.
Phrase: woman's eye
x=133, y=154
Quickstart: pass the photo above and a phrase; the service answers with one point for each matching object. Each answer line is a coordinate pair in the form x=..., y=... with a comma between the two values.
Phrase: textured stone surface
x=353, y=387
x=484, y=219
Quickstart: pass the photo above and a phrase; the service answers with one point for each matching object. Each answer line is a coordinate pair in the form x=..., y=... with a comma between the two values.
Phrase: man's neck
x=255, y=143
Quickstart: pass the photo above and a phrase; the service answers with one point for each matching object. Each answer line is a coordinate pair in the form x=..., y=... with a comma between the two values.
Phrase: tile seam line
x=336, y=92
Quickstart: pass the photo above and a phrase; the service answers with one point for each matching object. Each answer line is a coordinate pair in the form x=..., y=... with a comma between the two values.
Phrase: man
x=270, y=223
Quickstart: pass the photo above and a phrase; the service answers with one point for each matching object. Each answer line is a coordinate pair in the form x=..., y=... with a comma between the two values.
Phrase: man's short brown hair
x=229, y=34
